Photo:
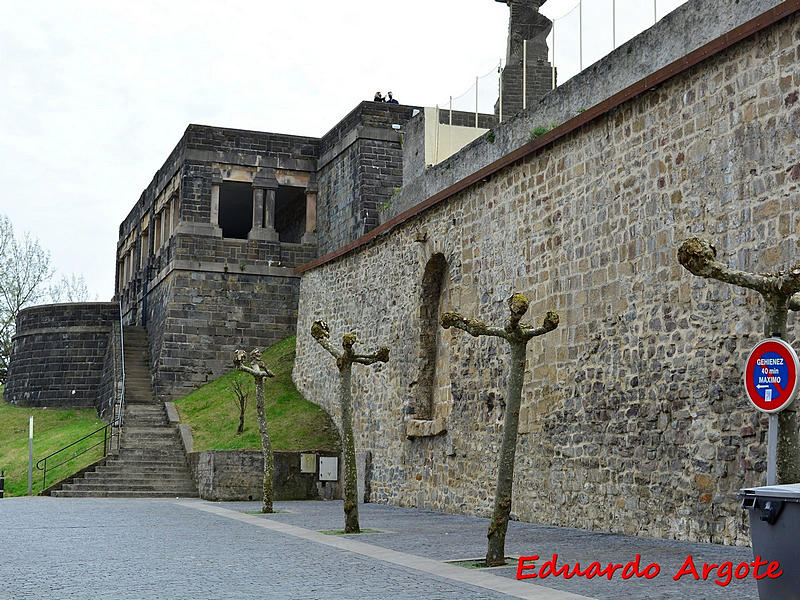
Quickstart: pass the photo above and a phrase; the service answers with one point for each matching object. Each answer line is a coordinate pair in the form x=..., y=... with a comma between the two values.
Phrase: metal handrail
x=121, y=404
x=41, y=464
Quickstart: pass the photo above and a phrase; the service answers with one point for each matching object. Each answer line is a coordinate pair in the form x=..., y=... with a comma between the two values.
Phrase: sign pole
x=771, y=382
x=772, y=450
x=30, y=456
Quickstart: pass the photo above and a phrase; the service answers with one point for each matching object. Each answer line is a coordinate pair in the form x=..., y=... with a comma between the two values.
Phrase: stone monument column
x=265, y=185
x=525, y=23
x=310, y=236
x=216, y=182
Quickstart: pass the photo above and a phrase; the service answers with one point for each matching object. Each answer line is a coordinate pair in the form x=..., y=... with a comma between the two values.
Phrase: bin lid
x=789, y=492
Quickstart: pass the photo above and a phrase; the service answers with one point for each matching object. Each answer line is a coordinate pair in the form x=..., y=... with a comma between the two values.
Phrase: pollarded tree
x=259, y=372
x=344, y=362
x=699, y=257
x=517, y=335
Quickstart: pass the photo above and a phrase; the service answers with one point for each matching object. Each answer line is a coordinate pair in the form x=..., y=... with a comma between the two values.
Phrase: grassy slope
x=52, y=429
x=294, y=423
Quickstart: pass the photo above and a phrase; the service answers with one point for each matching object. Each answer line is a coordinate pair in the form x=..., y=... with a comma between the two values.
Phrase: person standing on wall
x=379, y=98
x=391, y=100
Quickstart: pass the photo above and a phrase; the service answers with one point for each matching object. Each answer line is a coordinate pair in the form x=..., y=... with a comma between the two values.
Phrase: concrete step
x=121, y=494
x=136, y=470
x=120, y=481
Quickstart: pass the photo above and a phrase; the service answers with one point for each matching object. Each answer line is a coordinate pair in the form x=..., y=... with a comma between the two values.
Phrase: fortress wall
x=58, y=355
x=360, y=170
x=633, y=417
x=688, y=27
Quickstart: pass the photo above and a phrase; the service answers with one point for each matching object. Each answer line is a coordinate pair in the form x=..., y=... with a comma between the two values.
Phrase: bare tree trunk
x=344, y=362
x=351, y=524
x=266, y=446
x=517, y=335
x=699, y=257
x=495, y=554
x=259, y=373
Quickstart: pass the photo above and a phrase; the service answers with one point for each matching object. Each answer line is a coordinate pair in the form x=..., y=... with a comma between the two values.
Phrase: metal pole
x=451, y=111
x=2, y=483
x=580, y=35
x=436, y=149
x=554, y=55
x=655, y=12
x=30, y=456
x=500, y=103
x=614, y=24
x=476, y=102
x=524, y=74
x=772, y=450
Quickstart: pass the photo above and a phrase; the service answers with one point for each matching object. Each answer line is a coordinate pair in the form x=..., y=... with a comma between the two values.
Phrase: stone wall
x=228, y=475
x=687, y=28
x=360, y=170
x=201, y=295
x=58, y=356
x=633, y=417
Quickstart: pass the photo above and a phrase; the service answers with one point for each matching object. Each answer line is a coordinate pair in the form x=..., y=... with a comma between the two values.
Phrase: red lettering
x=746, y=570
x=725, y=572
x=758, y=562
x=771, y=570
x=521, y=566
x=594, y=570
x=576, y=570
x=626, y=574
x=651, y=571
x=707, y=568
x=610, y=570
x=686, y=568
x=550, y=567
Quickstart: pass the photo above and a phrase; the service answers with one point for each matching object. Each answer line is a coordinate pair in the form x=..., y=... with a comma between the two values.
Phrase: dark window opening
x=290, y=213
x=432, y=282
x=235, y=209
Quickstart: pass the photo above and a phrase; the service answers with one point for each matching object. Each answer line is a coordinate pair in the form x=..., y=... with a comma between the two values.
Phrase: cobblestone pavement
x=109, y=548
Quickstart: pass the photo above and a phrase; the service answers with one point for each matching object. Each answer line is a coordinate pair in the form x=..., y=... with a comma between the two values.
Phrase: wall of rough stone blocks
x=58, y=355
x=360, y=171
x=633, y=418
x=229, y=475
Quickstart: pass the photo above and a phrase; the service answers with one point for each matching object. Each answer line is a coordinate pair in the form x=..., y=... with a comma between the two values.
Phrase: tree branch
x=699, y=257
x=474, y=327
x=382, y=355
x=322, y=333
x=549, y=323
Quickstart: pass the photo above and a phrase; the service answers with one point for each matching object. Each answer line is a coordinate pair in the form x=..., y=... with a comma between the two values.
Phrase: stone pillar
x=264, y=188
x=310, y=236
x=525, y=23
x=216, y=182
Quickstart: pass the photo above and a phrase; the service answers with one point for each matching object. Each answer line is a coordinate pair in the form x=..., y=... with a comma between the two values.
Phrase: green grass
x=294, y=423
x=52, y=429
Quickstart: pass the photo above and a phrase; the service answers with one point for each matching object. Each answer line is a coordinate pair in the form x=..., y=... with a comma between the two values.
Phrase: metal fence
x=581, y=35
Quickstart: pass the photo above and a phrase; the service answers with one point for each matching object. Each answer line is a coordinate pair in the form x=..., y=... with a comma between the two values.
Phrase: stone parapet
x=58, y=356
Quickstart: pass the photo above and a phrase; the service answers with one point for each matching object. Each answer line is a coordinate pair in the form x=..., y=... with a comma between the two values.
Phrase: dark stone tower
x=525, y=23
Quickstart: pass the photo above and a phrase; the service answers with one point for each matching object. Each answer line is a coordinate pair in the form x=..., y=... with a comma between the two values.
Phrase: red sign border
x=793, y=368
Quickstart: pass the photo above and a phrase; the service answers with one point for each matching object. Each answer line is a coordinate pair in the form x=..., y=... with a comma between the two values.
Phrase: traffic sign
x=770, y=377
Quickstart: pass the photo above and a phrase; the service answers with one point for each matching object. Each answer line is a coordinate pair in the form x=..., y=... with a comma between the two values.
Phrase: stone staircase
x=151, y=462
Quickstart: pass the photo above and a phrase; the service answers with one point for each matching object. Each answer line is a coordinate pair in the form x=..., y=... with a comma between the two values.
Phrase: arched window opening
x=433, y=281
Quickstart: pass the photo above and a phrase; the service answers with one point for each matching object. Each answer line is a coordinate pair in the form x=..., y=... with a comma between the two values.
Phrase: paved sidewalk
x=101, y=548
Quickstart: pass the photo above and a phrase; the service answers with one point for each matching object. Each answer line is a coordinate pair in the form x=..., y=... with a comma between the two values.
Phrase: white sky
x=95, y=94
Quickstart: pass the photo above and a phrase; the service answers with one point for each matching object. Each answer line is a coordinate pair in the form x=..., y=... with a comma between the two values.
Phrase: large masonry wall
x=633, y=417
x=58, y=355
x=201, y=295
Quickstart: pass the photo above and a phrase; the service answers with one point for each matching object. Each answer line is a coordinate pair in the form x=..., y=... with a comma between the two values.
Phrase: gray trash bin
x=775, y=532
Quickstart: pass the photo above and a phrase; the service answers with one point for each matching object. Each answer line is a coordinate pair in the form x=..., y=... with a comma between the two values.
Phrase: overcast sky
x=95, y=94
